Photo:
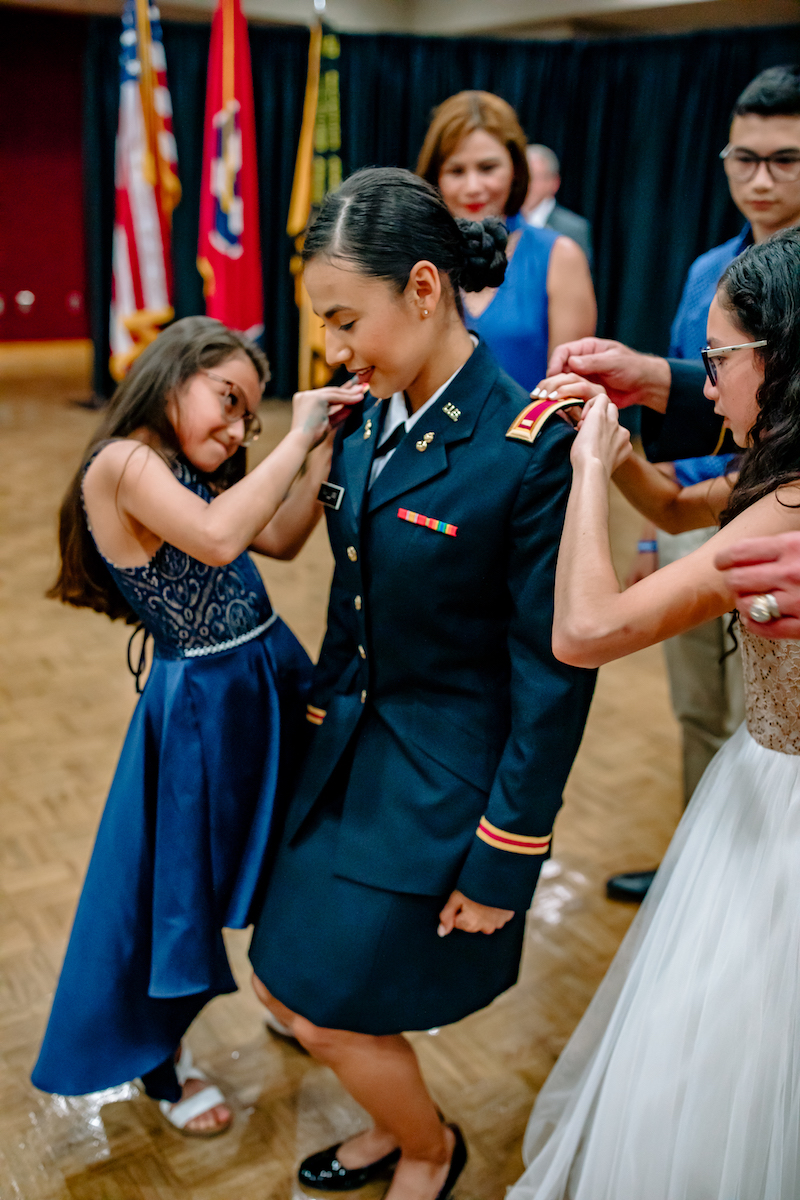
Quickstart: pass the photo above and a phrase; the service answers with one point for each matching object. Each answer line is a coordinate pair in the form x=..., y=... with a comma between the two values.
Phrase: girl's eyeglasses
x=709, y=355
x=234, y=408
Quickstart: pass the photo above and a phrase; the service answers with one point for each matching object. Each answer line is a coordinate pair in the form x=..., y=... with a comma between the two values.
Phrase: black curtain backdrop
x=637, y=124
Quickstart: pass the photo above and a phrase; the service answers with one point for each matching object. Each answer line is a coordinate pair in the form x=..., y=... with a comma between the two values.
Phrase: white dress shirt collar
x=540, y=215
x=397, y=414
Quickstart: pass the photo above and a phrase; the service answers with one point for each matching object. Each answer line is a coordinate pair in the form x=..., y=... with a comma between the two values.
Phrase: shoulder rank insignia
x=527, y=426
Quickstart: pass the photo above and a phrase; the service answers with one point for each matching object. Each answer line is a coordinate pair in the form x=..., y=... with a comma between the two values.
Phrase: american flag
x=147, y=190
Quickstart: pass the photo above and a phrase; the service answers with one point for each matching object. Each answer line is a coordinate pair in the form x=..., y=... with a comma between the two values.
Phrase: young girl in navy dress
x=155, y=530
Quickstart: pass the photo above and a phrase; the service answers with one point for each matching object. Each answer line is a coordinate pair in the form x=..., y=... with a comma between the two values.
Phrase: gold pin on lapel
x=368, y=429
x=451, y=411
x=425, y=441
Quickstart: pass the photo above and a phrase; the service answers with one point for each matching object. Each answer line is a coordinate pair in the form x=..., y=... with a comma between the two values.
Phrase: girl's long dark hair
x=140, y=402
x=384, y=220
x=761, y=292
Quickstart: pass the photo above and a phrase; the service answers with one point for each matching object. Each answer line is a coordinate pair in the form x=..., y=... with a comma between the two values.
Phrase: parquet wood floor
x=65, y=701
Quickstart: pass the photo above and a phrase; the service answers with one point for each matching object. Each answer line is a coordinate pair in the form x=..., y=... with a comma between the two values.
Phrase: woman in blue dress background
x=151, y=533
x=474, y=152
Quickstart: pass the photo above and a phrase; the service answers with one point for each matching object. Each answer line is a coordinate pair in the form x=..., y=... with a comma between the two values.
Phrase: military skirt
x=349, y=956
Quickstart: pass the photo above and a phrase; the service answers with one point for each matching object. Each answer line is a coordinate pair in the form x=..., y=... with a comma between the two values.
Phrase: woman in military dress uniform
x=442, y=730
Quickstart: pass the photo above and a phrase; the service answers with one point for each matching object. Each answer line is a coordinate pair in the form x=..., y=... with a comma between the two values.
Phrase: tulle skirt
x=682, y=1081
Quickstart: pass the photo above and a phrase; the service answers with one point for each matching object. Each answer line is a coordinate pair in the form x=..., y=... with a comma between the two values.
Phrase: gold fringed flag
x=318, y=170
x=147, y=190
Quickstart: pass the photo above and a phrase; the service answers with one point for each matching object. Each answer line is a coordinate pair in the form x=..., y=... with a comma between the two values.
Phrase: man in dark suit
x=540, y=207
x=677, y=420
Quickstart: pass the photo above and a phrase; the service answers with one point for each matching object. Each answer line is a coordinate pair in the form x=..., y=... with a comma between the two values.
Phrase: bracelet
x=649, y=547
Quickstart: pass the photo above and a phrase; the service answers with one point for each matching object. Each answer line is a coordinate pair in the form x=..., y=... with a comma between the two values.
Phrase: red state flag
x=229, y=246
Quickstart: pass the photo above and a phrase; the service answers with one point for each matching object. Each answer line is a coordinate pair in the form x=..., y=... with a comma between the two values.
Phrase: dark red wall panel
x=42, y=249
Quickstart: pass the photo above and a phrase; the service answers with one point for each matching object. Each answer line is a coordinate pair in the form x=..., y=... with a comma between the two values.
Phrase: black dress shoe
x=457, y=1164
x=324, y=1172
x=632, y=885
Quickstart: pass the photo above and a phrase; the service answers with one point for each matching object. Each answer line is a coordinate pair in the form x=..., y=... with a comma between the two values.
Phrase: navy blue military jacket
x=436, y=675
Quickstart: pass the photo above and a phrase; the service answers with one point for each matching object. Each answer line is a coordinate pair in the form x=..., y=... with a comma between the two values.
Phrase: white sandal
x=183, y=1111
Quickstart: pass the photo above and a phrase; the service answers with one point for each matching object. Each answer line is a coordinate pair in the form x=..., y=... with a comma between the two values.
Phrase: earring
x=424, y=312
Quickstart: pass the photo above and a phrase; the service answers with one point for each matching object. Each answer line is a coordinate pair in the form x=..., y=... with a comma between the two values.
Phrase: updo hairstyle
x=384, y=220
x=458, y=117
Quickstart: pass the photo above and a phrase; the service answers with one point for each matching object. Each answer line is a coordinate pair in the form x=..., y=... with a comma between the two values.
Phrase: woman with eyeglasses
x=683, y=1078
x=155, y=529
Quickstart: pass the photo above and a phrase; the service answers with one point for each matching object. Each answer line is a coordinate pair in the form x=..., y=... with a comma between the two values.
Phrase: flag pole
x=300, y=203
x=317, y=170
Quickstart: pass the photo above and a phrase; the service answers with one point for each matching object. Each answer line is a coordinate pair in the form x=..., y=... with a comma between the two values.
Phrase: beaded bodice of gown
x=186, y=604
x=772, y=691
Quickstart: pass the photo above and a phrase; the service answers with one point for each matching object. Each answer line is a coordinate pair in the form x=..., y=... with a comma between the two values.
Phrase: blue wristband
x=650, y=547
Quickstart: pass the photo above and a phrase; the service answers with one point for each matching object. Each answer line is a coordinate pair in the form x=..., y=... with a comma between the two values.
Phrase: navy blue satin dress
x=182, y=842
x=515, y=324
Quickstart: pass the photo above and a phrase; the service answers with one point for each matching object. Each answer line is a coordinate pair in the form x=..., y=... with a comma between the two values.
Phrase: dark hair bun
x=485, y=259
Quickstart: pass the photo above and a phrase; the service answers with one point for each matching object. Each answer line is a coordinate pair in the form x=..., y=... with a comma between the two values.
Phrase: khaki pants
x=707, y=695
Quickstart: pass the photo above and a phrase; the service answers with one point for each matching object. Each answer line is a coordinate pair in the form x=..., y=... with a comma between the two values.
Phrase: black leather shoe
x=632, y=886
x=324, y=1172
x=457, y=1164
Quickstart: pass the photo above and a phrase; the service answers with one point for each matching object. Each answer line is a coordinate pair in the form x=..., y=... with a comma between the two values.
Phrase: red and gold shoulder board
x=527, y=426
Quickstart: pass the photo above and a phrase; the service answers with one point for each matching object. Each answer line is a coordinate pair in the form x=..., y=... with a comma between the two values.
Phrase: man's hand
x=756, y=566
x=626, y=375
x=461, y=913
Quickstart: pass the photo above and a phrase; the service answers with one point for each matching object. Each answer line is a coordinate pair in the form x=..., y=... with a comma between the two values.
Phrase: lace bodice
x=187, y=605
x=772, y=691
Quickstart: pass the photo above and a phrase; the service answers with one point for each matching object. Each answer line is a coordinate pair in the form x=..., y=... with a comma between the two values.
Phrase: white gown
x=682, y=1081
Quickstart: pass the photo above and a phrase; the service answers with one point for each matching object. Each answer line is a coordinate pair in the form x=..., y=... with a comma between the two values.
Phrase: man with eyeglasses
x=677, y=420
x=762, y=163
